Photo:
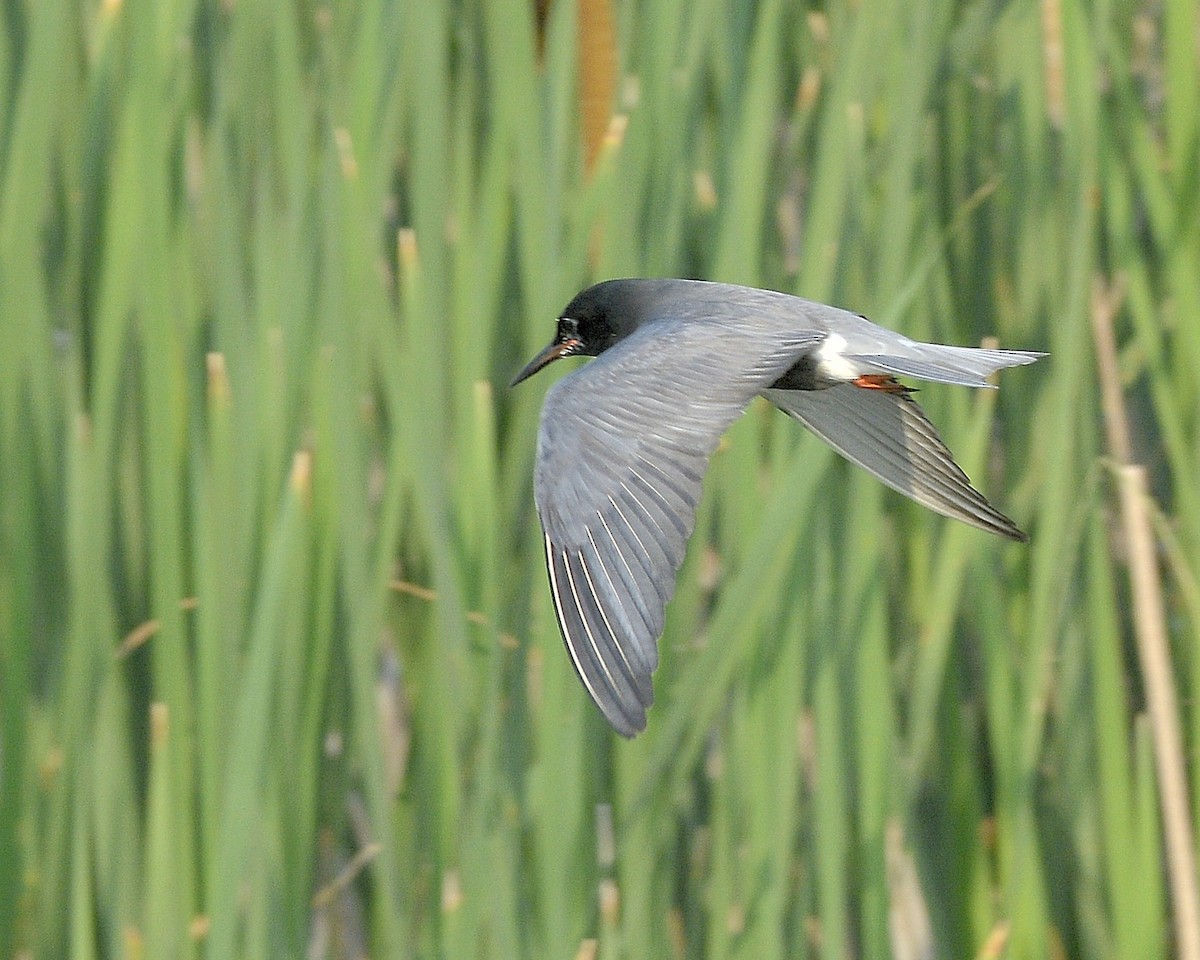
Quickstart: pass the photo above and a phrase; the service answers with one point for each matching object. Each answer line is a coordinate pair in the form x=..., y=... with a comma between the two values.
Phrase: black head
x=596, y=319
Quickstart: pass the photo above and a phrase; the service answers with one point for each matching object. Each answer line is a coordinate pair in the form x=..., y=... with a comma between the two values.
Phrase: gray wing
x=889, y=435
x=622, y=450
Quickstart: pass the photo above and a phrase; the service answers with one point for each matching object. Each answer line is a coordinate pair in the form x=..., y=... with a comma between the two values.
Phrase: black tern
x=624, y=443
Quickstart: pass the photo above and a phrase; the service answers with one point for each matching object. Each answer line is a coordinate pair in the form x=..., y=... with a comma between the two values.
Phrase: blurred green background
x=279, y=675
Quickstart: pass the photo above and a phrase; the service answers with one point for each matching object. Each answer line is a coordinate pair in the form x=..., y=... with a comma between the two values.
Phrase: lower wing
x=888, y=434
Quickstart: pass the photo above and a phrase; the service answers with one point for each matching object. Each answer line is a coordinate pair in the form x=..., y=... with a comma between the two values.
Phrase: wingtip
x=1018, y=535
x=981, y=515
x=992, y=521
x=627, y=716
x=624, y=726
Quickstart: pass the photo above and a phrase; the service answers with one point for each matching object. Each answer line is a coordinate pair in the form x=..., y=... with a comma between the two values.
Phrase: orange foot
x=882, y=381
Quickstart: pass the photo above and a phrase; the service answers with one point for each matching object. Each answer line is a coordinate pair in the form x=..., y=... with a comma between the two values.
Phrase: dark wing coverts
x=622, y=451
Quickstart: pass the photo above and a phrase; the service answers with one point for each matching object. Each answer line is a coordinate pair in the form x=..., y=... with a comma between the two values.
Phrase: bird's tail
x=961, y=366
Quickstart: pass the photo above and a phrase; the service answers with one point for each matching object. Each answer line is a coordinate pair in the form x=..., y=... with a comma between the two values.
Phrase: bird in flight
x=625, y=440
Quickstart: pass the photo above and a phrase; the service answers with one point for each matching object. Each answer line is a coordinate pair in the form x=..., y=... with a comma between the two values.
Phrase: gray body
x=625, y=441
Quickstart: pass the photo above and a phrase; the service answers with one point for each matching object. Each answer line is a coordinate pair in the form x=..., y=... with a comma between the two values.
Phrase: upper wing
x=889, y=435
x=622, y=450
